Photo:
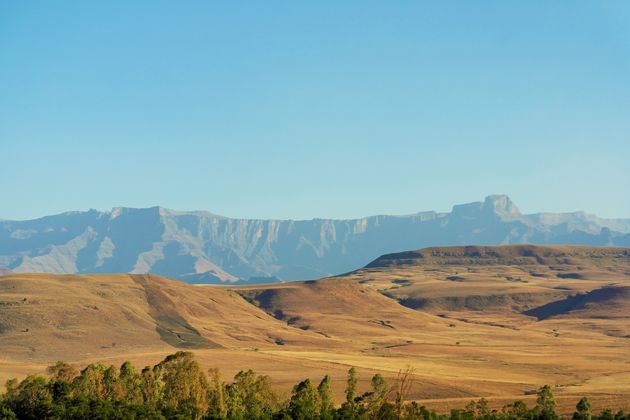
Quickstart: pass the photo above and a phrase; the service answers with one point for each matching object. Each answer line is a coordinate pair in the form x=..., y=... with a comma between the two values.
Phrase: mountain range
x=201, y=247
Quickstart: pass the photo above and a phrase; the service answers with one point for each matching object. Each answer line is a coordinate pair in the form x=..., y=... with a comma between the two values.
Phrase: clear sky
x=340, y=109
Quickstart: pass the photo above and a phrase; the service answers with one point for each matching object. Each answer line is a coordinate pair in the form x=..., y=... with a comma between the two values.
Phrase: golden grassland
x=471, y=326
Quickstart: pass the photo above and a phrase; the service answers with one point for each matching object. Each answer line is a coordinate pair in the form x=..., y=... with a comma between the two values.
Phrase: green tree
x=61, y=391
x=111, y=383
x=31, y=399
x=327, y=407
x=621, y=415
x=482, y=408
x=583, y=410
x=378, y=396
x=470, y=411
x=216, y=397
x=516, y=410
x=6, y=413
x=304, y=403
x=131, y=384
x=90, y=383
x=152, y=387
x=61, y=371
x=349, y=409
x=457, y=414
x=351, y=387
x=11, y=389
x=415, y=411
x=185, y=388
x=546, y=404
x=251, y=396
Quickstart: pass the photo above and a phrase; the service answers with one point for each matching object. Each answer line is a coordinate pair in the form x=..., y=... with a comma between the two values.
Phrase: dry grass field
x=493, y=322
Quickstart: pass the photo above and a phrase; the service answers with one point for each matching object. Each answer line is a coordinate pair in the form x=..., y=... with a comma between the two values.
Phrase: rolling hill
x=201, y=247
x=473, y=321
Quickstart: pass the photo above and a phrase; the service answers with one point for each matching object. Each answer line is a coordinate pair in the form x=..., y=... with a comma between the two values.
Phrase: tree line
x=178, y=388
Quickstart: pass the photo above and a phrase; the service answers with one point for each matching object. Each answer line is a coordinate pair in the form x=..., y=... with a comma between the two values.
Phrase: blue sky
x=314, y=109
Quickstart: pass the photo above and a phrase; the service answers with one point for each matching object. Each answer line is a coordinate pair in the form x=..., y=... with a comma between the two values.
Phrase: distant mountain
x=202, y=247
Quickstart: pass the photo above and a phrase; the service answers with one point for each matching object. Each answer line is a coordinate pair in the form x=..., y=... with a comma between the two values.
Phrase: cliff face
x=203, y=247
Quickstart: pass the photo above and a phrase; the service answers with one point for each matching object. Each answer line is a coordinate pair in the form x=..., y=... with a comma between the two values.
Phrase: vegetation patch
x=177, y=388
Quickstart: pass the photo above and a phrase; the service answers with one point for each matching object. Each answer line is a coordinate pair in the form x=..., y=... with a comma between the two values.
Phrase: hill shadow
x=172, y=327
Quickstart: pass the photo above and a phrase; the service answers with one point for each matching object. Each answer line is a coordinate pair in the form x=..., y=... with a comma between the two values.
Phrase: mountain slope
x=206, y=248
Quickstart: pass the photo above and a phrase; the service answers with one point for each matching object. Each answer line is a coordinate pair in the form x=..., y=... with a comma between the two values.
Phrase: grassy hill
x=509, y=279
x=473, y=321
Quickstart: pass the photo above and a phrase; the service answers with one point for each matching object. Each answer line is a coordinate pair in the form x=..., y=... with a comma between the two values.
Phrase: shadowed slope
x=607, y=302
x=170, y=324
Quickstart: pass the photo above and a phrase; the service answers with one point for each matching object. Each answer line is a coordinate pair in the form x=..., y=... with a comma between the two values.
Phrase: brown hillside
x=488, y=329
x=489, y=298
x=615, y=258
x=342, y=309
x=509, y=279
x=45, y=316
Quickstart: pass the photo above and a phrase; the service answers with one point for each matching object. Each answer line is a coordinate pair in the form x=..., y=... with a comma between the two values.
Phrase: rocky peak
x=501, y=205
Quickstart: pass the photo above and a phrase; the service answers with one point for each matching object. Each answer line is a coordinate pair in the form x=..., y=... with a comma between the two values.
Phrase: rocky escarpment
x=204, y=247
